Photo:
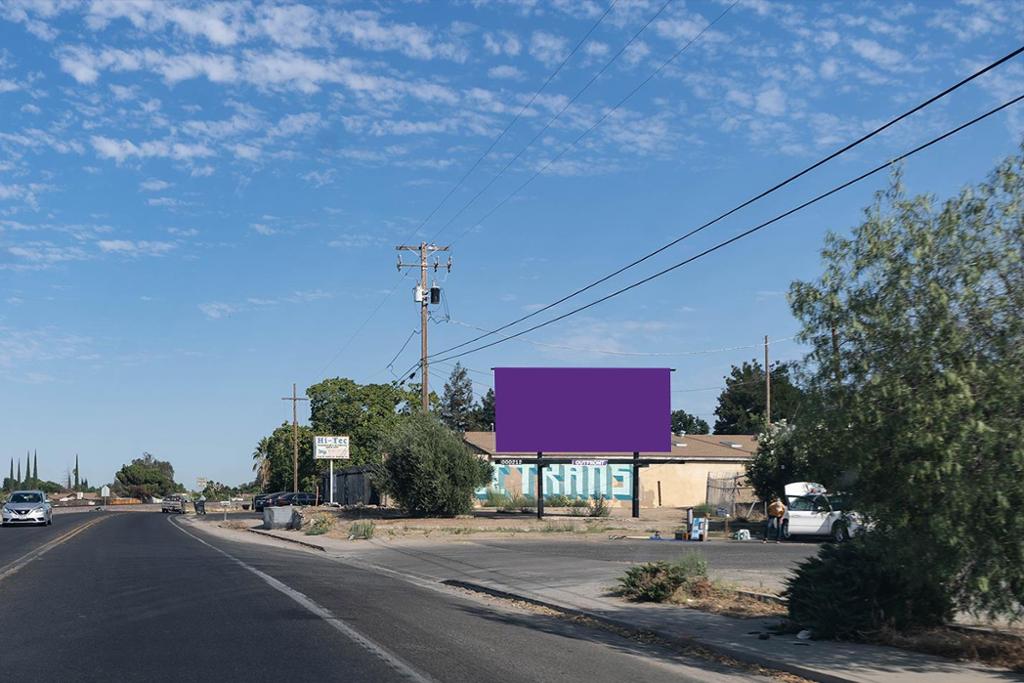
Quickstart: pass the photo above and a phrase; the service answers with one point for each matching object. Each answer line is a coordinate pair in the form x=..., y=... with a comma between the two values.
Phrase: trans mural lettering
x=615, y=482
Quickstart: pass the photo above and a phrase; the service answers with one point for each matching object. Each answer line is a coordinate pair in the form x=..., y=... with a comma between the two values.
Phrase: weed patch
x=361, y=530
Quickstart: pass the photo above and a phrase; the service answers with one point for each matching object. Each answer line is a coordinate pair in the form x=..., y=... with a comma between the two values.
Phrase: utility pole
x=424, y=296
x=294, y=398
x=767, y=385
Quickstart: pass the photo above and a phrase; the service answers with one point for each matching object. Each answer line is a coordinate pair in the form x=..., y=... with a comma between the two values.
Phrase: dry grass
x=1006, y=651
x=721, y=598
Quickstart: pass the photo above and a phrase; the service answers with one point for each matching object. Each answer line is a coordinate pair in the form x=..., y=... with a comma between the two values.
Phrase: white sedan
x=26, y=507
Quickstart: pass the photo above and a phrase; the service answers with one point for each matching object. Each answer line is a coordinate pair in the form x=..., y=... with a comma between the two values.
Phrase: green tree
x=17, y=480
x=363, y=412
x=261, y=462
x=741, y=405
x=11, y=478
x=482, y=417
x=456, y=409
x=145, y=476
x=684, y=423
x=915, y=382
x=779, y=460
x=77, y=482
x=35, y=466
x=279, y=454
x=429, y=470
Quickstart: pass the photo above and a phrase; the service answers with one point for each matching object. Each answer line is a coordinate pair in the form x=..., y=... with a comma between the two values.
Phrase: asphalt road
x=135, y=597
x=16, y=541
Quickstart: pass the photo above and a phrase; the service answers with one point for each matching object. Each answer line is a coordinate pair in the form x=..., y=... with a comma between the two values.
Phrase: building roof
x=698, y=446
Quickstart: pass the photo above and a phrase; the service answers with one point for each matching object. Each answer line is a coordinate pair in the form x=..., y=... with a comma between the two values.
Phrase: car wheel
x=785, y=529
x=840, y=533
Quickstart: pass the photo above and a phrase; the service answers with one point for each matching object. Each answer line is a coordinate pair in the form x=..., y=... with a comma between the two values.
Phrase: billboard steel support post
x=540, y=485
x=332, y=480
x=636, y=484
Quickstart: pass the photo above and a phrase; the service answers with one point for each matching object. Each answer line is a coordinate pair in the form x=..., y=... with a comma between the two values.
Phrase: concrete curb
x=261, y=532
x=740, y=655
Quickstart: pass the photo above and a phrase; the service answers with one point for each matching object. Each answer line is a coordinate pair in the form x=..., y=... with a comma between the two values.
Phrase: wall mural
x=615, y=482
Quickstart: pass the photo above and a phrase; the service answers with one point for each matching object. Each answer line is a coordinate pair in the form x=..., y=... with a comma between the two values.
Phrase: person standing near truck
x=776, y=511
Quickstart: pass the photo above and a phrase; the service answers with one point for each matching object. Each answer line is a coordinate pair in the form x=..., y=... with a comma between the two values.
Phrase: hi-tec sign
x=330, y=448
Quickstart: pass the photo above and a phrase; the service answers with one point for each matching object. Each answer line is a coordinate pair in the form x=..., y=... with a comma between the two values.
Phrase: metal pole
x=636, y=484
x=331, y=462
x=295, y=439
x=767, y=385
x=540, y=485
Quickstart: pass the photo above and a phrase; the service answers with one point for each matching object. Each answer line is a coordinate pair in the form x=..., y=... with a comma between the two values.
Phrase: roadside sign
x=105, y=492
x=201, y=483
x=590, y=462
x=330, y=448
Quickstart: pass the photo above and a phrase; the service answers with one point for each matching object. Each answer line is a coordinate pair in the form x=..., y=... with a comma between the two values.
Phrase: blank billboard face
x=579, y=410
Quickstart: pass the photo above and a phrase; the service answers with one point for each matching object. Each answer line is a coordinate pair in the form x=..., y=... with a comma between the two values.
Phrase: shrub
x=361, y=530
x=319, y=524
x=559, y=500
x=599, y=508
x=579, y=510
x=703, y=510
x=657, y=581
x=429, y=470
x=494, y=499
x=852, y=589
x=518, y=502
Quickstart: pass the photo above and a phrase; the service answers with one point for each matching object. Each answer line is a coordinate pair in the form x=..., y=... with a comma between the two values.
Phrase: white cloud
x=319, y=178
x=120, y=150
x=548, y=48
x=47, y=253
x=829, y=68
x=365, y=29
x=502, y=43
x=262, y=229
x=771, y=101
x=505, y=71
x=132, y=248
x=885, y=57
x=220, y=23
x=183, y=232
x=217, y=310
x=165, y=201
x=154, y=185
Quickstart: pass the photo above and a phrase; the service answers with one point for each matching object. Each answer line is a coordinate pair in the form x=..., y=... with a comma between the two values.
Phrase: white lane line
x=371, y=646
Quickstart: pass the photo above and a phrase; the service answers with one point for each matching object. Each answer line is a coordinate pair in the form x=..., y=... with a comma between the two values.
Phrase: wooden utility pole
x=423, y=297
x=294, y=398
x=767, y=385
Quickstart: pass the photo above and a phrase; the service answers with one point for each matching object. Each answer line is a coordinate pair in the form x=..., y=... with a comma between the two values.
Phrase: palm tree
x=261, y=461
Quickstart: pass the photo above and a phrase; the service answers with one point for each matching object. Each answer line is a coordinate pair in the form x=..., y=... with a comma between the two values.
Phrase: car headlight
x=39, y=509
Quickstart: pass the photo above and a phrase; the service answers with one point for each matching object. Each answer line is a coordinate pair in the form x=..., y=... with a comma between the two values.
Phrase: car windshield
x=26, y=498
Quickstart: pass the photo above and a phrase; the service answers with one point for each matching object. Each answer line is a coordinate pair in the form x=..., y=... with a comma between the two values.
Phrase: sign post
x=330, y=448
x=105, y=493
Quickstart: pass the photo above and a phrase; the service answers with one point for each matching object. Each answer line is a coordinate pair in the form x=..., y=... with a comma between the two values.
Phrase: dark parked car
x=265, y=500
x=295, y=499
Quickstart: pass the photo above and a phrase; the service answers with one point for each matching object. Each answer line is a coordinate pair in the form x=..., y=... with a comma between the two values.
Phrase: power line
x=750, y=231
x=551, y=121
x=608, y=352
x=601, y=120
x=736, y=208
x=472, y=168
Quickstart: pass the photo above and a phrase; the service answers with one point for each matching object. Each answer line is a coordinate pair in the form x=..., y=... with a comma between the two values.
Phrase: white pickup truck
x=174, y=503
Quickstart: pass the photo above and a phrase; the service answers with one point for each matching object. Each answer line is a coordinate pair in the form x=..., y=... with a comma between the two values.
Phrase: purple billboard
x=582, y=410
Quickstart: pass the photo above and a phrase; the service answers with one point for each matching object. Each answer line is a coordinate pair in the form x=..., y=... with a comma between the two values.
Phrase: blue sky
x=199, y=203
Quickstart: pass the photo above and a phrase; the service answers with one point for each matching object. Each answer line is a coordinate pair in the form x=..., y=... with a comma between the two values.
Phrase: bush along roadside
x=856, y=591
x=685, y=582
x=361, y=530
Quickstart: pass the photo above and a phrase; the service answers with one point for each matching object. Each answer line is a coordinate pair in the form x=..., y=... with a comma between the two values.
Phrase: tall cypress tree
x=12, y=472
x=35, y=467
x=76, y=472
x=17, y=482
x=28, y=469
